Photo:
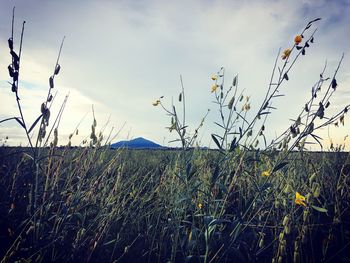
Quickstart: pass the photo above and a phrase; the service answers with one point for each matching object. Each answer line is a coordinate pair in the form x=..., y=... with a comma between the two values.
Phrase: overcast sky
x=120, y=56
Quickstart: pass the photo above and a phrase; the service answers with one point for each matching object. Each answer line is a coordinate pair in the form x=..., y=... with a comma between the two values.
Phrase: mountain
x=138, y=143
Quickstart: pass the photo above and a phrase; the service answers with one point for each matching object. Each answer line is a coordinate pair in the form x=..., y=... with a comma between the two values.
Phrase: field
x=102, y=205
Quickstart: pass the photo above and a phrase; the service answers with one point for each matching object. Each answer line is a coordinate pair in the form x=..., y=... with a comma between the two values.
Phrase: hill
x=138, y=143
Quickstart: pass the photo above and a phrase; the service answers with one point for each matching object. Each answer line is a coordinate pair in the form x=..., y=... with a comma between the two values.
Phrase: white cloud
x=120, y=56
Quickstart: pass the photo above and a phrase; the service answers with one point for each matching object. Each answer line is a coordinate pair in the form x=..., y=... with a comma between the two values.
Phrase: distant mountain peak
x=137, y=143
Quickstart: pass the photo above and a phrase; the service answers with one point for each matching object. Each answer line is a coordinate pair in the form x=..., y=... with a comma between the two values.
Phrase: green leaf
x=218, y=124
x=216, y=141
x=218, y=222
x=20, y=122
x=233, y=144
x=110, y=242
x=34, y=123
x=279, y=166
x=319, y=209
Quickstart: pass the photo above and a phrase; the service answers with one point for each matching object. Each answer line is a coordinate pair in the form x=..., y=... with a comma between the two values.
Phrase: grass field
x=147, y=206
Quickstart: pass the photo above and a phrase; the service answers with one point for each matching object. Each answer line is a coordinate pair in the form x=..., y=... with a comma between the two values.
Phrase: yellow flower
x=214, y=77
x=214, y=88
x=286, y=53
x=156, y=103
x=265, y=173
x=200, y=205
x=299, y=199
x=298, y=39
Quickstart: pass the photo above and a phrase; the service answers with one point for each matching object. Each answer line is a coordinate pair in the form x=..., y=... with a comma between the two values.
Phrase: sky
x=120, y=56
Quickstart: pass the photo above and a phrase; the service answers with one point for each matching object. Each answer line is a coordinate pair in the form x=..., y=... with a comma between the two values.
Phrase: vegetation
x=248, y=200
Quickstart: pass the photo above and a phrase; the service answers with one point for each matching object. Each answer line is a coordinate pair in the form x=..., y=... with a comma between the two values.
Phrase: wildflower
x=298, y=39
x=286, y=53
x=200, y=205
x=265, y=173
x=214, y=88
x=156, y=103
x=246, y=107
x=214, y=77
x=299, y=199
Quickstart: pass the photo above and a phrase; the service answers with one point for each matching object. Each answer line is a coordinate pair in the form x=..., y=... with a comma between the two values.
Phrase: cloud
x=122, y=55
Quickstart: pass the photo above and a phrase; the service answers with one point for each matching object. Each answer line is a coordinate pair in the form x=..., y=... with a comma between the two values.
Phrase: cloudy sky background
x=122, y=55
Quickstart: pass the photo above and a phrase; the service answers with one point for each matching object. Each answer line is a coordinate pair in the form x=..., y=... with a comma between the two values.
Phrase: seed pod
x=42, y=108
x=334, y=84
x=16, y=64
x=284, y=202
x=43, y=132
x=51, y=82
x=281, y=236
x=287, y=229
x=286, y=190
x=50, y=98
x=234, y=82
x=283, y=250
x=305, y=215
x=14, y=87
x=57, y=69
x=316, y=191
x=296, y=245
x=15, y=76
x=312, y=178
x=304, y=239
x=14, y=55
x=180, y=97
x=261, y=242
x=10, y=42
x=249, y=133
x=256, y=143
x=55, y=139
x=277, y=204
x=308, y=198
x=11, y=72
x=46, y=116
x=285, y=220
x=230, y=104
